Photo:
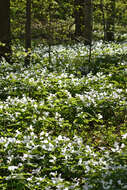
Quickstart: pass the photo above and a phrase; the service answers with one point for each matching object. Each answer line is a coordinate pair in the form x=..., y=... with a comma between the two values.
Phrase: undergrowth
x=63, y=118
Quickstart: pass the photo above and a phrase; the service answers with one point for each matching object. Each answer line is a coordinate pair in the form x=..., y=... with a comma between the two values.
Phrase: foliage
x=63, y=119
x=53, y=21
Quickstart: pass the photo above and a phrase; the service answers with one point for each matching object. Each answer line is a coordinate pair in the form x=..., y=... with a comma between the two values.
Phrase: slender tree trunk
x=110, y=22
x=28, y=32
x=79, y=17
x=88, y=22
x=103, y=17
x=5, y=49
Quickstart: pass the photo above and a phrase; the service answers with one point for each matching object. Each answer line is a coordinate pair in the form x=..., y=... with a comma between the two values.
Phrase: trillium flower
x=12, y=168
x=124, y=136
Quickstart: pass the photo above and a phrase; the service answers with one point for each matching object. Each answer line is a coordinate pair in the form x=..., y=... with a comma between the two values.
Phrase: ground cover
x=63, y=118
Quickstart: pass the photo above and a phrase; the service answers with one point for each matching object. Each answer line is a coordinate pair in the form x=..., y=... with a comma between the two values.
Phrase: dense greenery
x=63, y=95
x=53, y=21
x=63, y=118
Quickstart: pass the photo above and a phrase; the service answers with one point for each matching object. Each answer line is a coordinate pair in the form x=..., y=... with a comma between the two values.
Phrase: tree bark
x=79, y=17
x=103, y=17
x=88, y=22
x=5, y=49
x=28, y=32
x=110, y=21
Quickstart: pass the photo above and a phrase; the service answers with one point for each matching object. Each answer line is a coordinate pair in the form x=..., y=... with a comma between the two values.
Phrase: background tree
x=103, y=17
x=28, y=32
x=5, y=29
x=67, y=20
x=110, y=21
x=79, y=17
x=88, y=22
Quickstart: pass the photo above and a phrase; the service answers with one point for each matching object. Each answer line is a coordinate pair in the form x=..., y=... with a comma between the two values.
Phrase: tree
x=5, y=29
x=103, y=17
x=87, y=22
x=28, y=32
x=79, y=17
x=110, y=21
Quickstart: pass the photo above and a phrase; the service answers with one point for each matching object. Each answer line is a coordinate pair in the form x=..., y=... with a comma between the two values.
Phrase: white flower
x=119, y=182
x=42, y=133
x=60, y=137
x=122, y=145
x=45, y=141
x=1, y=106
x=31, y=128
x=124, y=136
x=80, y=161
x=53, y=173
x=12, y=168
x=29, y=179
x=2, y=140
x=33, y=134
x=100, y=116
x=25, y=156
x=44, y=146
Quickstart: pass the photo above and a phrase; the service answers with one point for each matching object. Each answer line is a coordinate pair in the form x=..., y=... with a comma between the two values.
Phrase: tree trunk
x=5, y=29
x=79, y=17
x=110, y=21
x=103, y=17
x=87, y=22
x=28, y=32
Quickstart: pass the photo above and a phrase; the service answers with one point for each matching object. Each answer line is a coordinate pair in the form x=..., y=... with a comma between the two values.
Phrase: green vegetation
x=63, y=95
x=63, y=119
